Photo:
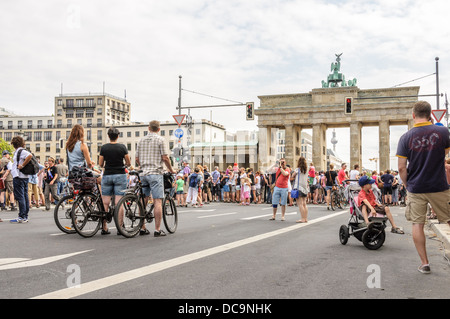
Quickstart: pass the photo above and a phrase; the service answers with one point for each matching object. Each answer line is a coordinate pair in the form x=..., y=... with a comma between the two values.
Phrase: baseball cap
x=5, y=152
x=364, y=180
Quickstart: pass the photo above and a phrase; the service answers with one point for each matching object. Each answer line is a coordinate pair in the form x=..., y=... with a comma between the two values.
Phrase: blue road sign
x=178, y=133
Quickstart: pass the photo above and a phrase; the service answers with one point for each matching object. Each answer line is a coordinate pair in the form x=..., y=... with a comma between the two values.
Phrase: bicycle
x=63, y=209
x=338, y=198
x=88, y=212
x=131, y=211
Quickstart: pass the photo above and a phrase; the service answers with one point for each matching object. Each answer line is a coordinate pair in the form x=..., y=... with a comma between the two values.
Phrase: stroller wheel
x=373, y=238
x=343, y=234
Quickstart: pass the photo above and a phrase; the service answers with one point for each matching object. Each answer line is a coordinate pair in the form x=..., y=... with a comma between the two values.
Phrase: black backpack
x=31, y=168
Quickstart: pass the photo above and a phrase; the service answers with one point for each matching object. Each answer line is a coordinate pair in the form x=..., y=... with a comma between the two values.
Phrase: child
x=247, y=184
x=369, y=206
x=180, y=185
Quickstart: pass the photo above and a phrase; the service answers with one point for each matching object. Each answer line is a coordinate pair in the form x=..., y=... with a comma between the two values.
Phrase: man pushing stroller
x=370, y=207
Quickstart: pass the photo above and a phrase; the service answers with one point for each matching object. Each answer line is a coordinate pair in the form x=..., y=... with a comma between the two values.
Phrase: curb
x=443, y=233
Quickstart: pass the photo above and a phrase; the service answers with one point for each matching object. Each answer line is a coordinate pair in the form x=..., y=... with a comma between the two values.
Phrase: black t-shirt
x=50, y=174
x=331, y=177
x=114, y=154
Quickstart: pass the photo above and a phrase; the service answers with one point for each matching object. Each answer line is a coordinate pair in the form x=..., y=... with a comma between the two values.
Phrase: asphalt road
x=220, y=251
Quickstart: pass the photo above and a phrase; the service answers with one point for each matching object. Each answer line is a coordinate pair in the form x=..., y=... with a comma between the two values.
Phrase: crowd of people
x=424, y=146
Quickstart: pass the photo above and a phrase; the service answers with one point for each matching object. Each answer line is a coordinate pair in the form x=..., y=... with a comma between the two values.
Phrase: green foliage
x=6, y=146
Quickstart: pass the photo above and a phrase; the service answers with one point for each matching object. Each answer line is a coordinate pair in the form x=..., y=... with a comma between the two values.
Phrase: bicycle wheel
x=87, y=215
x=333, y=201
x=343, y=201
x=129, y=215
x=170, y=214
x=62, y=214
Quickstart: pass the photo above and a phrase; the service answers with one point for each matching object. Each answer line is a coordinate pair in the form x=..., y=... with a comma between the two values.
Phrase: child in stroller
x=363, y=206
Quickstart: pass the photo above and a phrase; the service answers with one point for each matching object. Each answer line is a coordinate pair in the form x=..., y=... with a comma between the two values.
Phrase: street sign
x=178, y=133
x=179, y=118
x=438, y=114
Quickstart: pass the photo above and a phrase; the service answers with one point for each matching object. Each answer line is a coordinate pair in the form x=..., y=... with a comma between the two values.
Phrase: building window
x=129, y=146
x=38, y=147
x=89, y=122
x=60, y=102
x=47, y=136
x=69, y=114
x=128, y=134
x=100, y=101
x=7, y=136
x=137, y=134
x=163, y=133
x=49, y=123
x=59, y=112
x=10, y=125
x=59, y=124
x=80, y=102
x=47, y=147
x=38, y=136
x=69, y=123
x=30, y=124
x=99, y=122
x=58, y=135
x=19, y=124
x=69, y=102
x=39, y=125
x=99, y=135
x=90, y=113
x=90, y=102
x=80, y=113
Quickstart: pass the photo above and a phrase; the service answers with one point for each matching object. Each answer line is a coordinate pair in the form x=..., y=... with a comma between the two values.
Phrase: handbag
x=300, y=190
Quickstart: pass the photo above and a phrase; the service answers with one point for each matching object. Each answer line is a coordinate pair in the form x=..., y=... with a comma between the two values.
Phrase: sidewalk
x=443, y=233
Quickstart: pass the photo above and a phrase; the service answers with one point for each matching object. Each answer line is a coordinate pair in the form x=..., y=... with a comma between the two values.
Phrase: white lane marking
x=109, y=281
x=224, y=214
x=38, y=262
x=266, y=215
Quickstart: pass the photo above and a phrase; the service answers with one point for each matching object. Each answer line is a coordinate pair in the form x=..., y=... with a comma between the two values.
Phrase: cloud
x=232, y=49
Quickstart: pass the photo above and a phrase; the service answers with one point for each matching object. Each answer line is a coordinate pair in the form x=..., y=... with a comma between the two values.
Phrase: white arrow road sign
x=13, y=263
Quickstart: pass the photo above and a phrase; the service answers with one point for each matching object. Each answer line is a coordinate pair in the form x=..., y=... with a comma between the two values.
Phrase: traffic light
x=250, y=111
x=176, y=153
x=348, y=105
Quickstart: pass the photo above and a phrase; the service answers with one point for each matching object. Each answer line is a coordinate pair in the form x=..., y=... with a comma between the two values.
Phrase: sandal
x=272, y=218
x=397, y=231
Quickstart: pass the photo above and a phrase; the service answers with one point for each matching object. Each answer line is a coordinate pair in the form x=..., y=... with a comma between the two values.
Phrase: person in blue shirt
x=421, y=164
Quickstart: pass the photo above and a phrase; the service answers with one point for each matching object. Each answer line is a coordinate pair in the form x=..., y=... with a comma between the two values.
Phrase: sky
x=235, y=50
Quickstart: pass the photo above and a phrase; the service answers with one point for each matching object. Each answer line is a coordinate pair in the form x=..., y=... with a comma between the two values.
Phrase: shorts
x=416, y=206
x=154, y=184
x=279, y=196
x=180, y=192
x=258, y=191
x=114, y=184
x=387, y=190
x=247, y=194
x=378, y=209
x=226, y=188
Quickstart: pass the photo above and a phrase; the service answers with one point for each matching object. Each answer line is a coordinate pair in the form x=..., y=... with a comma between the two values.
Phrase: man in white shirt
x=20, y=180
x=354, y=173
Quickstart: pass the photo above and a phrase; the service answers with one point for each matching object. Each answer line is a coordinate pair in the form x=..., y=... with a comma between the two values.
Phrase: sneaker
x=13, y=208
x=424, y=269
x=25, y=220
x=159, y=233
x=144, y=232
x=17, y=220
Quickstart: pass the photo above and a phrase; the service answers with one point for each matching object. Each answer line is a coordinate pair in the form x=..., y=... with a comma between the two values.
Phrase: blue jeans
x=114, y=184
x=153, y=184
x=280, y=196
x=21, y=196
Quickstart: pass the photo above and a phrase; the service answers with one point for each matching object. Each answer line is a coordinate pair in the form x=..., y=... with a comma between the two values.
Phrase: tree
x=6, y=146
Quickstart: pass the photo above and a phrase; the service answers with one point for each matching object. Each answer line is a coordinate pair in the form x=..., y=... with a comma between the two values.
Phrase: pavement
x=442, y=232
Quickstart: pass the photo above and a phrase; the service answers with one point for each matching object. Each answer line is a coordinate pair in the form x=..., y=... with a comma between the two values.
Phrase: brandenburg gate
x=324, y=108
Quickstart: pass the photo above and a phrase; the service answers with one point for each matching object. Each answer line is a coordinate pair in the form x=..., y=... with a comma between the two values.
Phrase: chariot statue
x=336, y=78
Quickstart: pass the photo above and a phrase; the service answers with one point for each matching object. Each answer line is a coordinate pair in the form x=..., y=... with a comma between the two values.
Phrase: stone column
x=319, y=144
x=292, y=141
x=384, y=146
x=264, y=146
x=355, y=145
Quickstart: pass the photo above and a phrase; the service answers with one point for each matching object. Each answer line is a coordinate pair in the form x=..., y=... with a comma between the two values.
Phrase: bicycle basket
x=168, y=181
x=85, y=183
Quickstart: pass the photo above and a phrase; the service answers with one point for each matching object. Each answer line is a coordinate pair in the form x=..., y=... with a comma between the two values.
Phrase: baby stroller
x=372, y=235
